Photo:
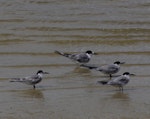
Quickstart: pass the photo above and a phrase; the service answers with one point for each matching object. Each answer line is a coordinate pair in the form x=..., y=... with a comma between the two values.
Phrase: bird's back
x=83, y=58
x=121, y=80
x=109, y=69
x=31, y=80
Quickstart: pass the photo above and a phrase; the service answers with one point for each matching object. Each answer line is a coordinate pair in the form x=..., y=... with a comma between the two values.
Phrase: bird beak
x=95, y=53
x=132, y=74
x=46, y=73
x=122, y=62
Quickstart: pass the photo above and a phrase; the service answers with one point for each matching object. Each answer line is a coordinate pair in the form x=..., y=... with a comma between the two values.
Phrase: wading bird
x=106, y=69
x=31, y=80
x=78, y=58
x=118, y=81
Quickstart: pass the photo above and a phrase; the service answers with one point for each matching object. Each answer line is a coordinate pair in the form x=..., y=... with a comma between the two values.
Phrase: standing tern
x=106, y=69
x=119, y=81
x=31, y=80
x=79, y=58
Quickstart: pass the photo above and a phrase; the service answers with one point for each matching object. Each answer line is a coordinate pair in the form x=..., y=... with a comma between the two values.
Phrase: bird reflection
x=32, y=94
x=78, y=71
x=120, y=95
x=81, y=70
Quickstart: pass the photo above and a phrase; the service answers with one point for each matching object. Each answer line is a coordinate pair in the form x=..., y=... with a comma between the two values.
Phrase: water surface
x=31, y=31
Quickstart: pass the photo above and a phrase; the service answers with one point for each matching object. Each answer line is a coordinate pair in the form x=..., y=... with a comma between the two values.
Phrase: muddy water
x=30, y=32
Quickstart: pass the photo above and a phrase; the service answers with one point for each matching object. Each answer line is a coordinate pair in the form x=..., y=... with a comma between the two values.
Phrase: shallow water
x=31, y=31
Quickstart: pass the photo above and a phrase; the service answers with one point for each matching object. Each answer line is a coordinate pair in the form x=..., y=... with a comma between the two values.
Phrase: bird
x=31, y=80
x=119, y=81
x=78, y=58
x=106, y=69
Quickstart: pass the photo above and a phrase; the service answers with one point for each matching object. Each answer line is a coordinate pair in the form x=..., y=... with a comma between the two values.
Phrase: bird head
x=90, y=52
x=127, y=73
x=118, y=62
x=41, y=72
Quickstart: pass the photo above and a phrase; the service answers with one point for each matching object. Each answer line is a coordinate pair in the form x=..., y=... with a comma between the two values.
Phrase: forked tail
x=102, y=82
x=15, y=80
x=88, y=66
x=63, y=54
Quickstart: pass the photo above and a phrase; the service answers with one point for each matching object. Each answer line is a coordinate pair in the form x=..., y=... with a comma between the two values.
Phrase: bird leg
x=34, y=86
x=121, y=88
x=110, y=76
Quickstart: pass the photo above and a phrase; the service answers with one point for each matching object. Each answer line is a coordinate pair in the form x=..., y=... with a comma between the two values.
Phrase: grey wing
x=124, y=80
x=28, y=80
x=112, y=68
x=82, y=58
x=18, y=80
x=108, y=69
x=34, y=78
x=31, y=80
x=74, y=56
x=119, y=81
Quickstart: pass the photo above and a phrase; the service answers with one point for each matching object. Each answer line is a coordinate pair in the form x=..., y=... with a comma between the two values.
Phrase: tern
x=118, y=81
x=31, y=80
x=79, y=58
x=106, y=69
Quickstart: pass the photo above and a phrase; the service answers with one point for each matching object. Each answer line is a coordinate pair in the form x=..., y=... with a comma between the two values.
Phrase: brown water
x=30, y=32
